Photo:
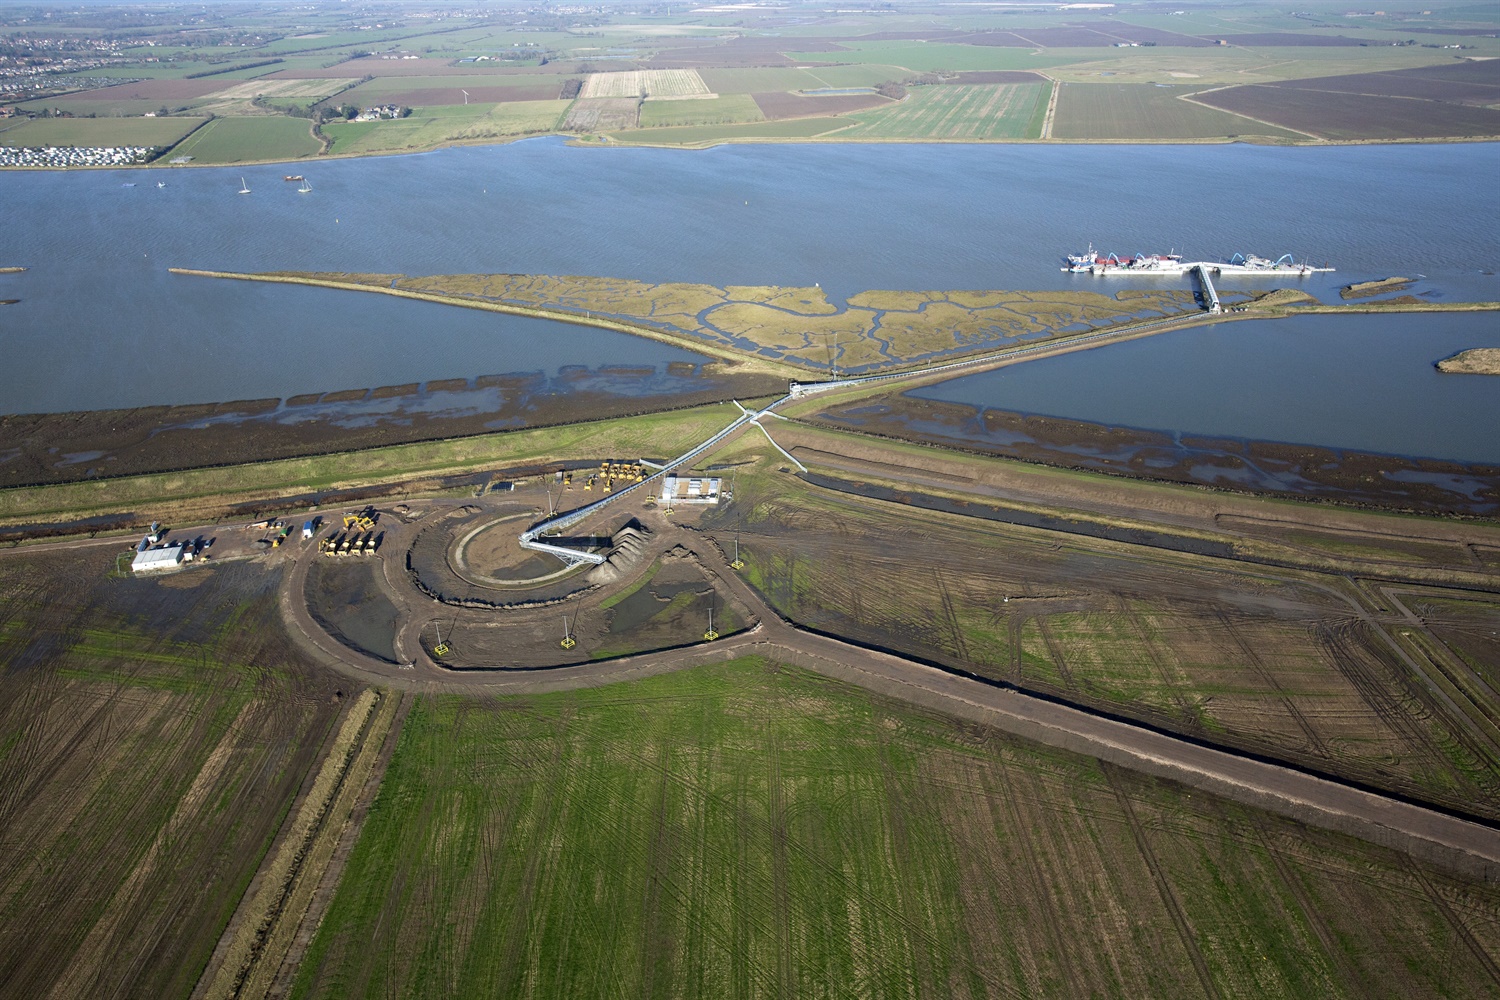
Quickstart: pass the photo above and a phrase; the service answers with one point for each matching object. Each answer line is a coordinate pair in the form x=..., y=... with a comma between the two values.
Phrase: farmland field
x=97, y=131
x=925, y=58
x=793, y=128
x=419, y=91
x=780, y=104
x=718, y=111
x=1125, y=111
x=1357, y=116
x=1005, y=111
x=303, y=88
x=152, y=736
x=423, y=132
x=1125, y=631
x=657, y=83
x=240, y=140
x=760, y=79
x=750, y=829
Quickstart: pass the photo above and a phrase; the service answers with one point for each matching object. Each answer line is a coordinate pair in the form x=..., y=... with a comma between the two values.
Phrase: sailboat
x=304, y=187
x=244, y=188
x=161, y=184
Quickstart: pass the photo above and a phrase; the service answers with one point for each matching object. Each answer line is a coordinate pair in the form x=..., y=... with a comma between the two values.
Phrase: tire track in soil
x=1013, y=634
x=1353, y=977
x=833, y=873
x=332, y=875
x=1315, y=743
x=950, y=615
x=733, y=943
x=901, y=840
x=1022, y=833
x=780, y=861
x=1163, y=886
x=94, y=738
x=1376, y=694
x=656, y=944
x=1189, y=719
x=91, y=956
x=1454, y=922
x=1057, y=658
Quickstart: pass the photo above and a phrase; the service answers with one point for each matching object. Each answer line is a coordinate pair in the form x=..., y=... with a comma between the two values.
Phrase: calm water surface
x=101, y=323
x=1365, y=383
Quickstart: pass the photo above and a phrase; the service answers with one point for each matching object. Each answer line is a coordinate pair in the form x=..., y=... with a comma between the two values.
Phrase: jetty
x=1210, y=294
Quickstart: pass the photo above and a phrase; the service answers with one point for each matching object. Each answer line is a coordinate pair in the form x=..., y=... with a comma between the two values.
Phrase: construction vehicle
x=363, y=521
x=347, y=545
x=567, y=480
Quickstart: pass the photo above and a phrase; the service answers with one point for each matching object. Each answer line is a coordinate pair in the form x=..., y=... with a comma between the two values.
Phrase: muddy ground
x=155, y=732
x=1392, y=482
x=1294, y=665
x=65, y=447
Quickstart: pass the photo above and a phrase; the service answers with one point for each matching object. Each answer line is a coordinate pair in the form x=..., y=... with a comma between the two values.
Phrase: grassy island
x=1475, y=361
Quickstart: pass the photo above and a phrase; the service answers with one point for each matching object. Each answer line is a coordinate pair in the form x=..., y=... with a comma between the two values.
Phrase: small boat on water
x=244, y=188
x=292, y=177
x=161, y=184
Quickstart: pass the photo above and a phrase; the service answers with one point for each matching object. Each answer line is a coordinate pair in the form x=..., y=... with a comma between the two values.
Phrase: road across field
x=1468, y=847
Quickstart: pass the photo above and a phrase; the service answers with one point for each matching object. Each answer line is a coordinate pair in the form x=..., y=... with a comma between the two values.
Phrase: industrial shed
x=681, y=489
x=155, y=560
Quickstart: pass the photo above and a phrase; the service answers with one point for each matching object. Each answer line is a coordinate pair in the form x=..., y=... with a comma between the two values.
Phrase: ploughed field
x=1264, y=75
x=153, y=734
x=751, y=829
x=1292, y=664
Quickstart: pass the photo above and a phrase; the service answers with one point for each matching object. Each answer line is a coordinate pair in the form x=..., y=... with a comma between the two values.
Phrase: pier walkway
x=1210, y=294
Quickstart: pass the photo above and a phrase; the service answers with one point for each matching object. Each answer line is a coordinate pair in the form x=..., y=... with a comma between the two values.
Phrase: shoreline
x=610, y=141
x=1474, y=361
x=745, y=362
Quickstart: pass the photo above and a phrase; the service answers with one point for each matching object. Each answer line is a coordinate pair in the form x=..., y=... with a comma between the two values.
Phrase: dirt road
x=1466, y=847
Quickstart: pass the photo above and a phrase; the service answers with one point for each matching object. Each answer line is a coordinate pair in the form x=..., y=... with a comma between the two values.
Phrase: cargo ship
x=1172, y=263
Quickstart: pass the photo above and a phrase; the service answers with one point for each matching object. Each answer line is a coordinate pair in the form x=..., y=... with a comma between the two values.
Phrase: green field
x=796, y=128
x=750, y=829
x=421, y=131
x=1004, y=111
x=760, y=80
x=1203, y=66
x=381, y=88
x=927, y=57
x=672, y=432
x=1135, y=111
x=721, y=111
x=84, y=106
x=241, y=140
x=97, y=131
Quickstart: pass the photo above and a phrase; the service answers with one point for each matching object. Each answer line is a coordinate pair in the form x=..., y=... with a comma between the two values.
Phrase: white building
x=155, y=560
x=681, y=489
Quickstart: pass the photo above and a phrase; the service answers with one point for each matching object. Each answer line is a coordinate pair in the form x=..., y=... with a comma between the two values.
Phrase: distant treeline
x=232, y=69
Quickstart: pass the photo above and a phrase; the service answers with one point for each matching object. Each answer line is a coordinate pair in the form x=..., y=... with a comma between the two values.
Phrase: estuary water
x=101, y=324
x=1362, y=383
